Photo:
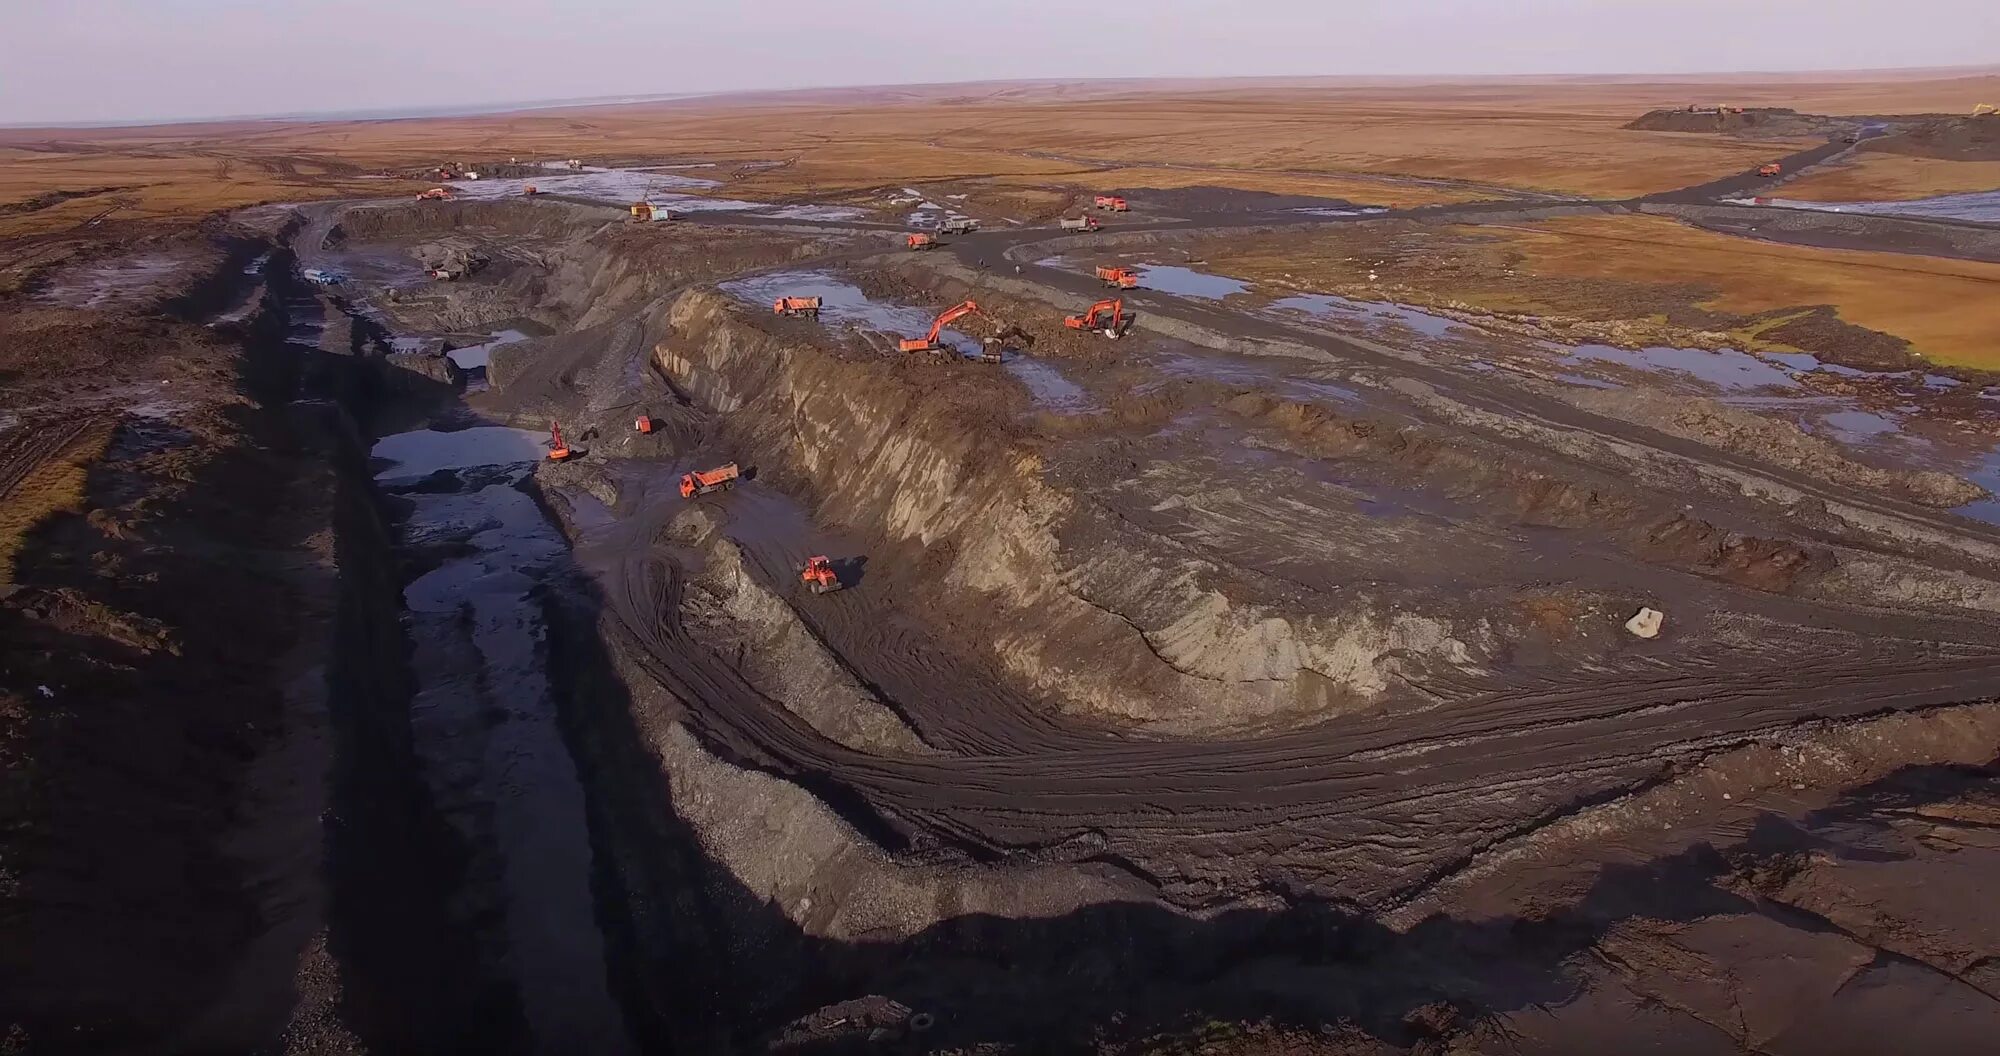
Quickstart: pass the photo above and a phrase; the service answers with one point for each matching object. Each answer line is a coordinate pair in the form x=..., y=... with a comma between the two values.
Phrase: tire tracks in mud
x=950, y=701
x=1375, y=808
x=1378, y=807
x=1425, y=789
x=28, y=446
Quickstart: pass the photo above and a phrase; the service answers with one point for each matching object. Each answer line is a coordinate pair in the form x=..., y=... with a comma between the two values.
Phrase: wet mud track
x=1369, y=814
x=1371, y=807
x=27, y=446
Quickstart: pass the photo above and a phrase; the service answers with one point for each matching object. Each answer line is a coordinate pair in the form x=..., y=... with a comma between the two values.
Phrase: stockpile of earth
x=1952, y=138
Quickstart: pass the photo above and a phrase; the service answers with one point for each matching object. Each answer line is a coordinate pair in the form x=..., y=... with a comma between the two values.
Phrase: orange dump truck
x=1112, y=203
x=923, y=241
x=1123, y=278
x=703, y=481
x=796, y=306
x=1769, y=170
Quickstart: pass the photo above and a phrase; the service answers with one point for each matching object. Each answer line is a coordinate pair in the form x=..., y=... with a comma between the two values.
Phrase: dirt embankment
x=1110, y=620
x=1950, y=138
x=1753, y=121
x=405, y=221
x=158, y=699
x=945, y=480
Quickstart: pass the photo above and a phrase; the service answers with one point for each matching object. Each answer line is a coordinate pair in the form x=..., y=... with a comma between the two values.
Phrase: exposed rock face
x=411, y=370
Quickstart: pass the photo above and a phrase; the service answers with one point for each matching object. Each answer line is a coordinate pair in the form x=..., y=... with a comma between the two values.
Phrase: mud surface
x=1260, y=678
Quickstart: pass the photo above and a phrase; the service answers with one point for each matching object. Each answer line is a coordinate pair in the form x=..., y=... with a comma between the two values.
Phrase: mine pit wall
x=733, y=900
x=866, y=445
x=597, y=267
x=256, y=897
x=409, y=978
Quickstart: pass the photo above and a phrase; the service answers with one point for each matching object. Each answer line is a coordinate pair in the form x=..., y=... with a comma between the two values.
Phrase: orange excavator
x=923, y=241
x=558, y=447
x=1123, y=278
x=819, y=576
x=929, y=342
x=1094, y=318
x=796, y=306
x=703, y=481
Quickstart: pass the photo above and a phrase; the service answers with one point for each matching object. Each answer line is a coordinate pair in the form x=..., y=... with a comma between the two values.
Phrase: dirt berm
x=1759, y=121
x=1953, y=138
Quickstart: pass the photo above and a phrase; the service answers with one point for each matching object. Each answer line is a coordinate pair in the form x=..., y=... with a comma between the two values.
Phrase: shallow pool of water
x=655, y=185
x=1332, y=211
x=1985, y=472
x=1976, y=206
x=1187, y=282
x=473, y=357
x=1232, y=371
x=1327, y=306
x=1726, y=369
x=843, y=304
x=1045, y=382
x=422, y=452
x=484, y=729
x=1858, y=427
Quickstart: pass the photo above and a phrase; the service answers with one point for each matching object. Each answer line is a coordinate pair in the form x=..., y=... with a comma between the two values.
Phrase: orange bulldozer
x=819, y=576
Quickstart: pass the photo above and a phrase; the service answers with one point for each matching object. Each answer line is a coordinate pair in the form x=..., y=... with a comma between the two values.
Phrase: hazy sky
x=97, y=60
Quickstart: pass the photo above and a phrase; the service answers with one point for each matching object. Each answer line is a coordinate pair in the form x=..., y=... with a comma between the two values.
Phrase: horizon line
x=487, y=109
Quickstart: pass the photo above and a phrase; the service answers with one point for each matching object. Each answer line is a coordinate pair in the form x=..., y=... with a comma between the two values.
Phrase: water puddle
x=663, y=188
x=843, y=304
x=1333, y=212
x=1981, y=207
x=1047, y=385
x=1726, y=369
x=422, y=452
x=483, y=725
x=122, y=280
x=473, y=357
x=1187, y=282
x=483, y=720
x=1329, y=307
x=1857, y=427
x=1231, y=371
x=1985, y=472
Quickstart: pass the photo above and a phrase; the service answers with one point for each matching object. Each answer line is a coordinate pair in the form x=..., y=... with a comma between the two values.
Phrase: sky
x=66, y=61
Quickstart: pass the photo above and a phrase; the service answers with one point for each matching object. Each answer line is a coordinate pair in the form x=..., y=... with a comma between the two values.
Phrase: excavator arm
x=929, y=342
x=1114, y=307
x=950, y=316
